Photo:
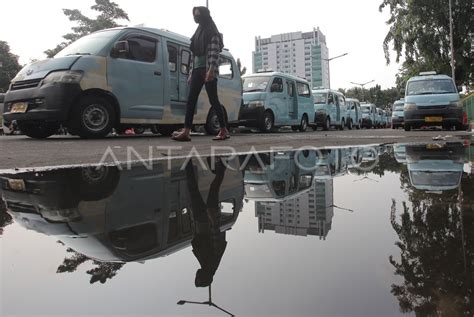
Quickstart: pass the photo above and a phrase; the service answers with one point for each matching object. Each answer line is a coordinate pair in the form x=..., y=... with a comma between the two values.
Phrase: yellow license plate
x=17, y=184
x=19, y=107
x=433, y=119
x=434, y=146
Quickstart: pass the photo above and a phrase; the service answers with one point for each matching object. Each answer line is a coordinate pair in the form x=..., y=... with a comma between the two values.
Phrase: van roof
x=326, y=90
x=428, y=77
x=274, y=73
x=352, y=99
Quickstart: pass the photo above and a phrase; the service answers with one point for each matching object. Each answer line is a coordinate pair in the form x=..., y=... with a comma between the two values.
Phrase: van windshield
x=441, y=178
x=365, y=109
x=320, y=99
x=398, y=108
x=431, y=87
x=90, y=44
x=255, y=84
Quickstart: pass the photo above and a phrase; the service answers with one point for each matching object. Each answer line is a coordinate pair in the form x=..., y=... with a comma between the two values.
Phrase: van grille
x=24, y=84
x=21, y=207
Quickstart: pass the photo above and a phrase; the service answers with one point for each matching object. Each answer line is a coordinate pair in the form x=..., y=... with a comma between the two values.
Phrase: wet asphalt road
x=23, y=152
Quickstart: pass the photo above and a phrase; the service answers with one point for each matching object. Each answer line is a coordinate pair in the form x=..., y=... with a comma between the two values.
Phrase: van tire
x=97, y=183
x=166, y=129
x=349, y=125
x=92, y=117
x=38, y=129
x=304, y=123
x=212, y=125
x=268, y=122
x=407, y=127
x=327, y=124
x=343, y=125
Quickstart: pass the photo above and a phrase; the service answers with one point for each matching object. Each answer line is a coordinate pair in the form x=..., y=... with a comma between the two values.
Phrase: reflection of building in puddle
x=308, y=214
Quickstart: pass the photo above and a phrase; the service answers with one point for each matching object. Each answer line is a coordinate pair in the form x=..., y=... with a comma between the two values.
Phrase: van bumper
x=45, y=103
x=366, y=123
x=449, y=116
x=251, y=117
x=320, y=118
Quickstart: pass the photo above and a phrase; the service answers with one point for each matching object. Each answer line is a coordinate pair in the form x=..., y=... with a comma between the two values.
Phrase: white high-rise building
x=308, y=214
x=300, y=54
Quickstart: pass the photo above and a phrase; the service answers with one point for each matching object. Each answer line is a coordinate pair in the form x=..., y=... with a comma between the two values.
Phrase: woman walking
x=206, y=44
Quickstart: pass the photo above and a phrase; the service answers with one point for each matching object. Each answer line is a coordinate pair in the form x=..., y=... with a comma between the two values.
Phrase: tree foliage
x=109, y=13
x=9, y=66
x=243, y=70
x=383, y=98
x=419, y=31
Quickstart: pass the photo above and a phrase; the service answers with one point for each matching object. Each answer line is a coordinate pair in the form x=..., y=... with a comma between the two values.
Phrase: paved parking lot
x=23, y=152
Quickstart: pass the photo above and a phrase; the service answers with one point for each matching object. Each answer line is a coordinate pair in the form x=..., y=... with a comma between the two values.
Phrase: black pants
x=197, y=81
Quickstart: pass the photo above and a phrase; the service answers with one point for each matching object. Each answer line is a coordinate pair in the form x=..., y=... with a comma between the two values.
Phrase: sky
x=354, y=27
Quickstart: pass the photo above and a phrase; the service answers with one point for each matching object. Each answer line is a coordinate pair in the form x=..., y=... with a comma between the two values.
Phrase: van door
x=278, y=99
x=173, y=69
x=135, y=78
x=338, y=108
x=332, y=106
x=292, y=99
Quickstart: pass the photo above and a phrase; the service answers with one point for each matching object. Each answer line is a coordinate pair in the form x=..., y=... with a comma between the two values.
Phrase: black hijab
x=204, y=33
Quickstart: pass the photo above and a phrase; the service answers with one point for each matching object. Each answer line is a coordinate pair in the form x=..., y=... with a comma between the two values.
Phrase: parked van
x=330, y=109
x=116, y=78
x=274, y=99
x=397, y=114
x=432, y=100
x=354, y=113
x=369, y=113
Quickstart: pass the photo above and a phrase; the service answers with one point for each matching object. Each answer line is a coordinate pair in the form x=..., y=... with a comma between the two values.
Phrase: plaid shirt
x=213, y=50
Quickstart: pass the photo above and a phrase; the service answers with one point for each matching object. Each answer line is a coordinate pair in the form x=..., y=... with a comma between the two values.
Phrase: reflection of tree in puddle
x=102, y=271
x=437, y=246
x=5, y=218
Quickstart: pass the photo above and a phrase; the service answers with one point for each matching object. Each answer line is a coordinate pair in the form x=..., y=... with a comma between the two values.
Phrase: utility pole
x=207, y=3
x=451, y=39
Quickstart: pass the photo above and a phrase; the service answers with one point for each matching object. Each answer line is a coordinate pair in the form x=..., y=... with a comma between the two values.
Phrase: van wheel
x=407, y=127
x=349, y=124
x=139, y=130
x=97, y=183
x=92, y=117
x=166, y=129
x=268, y=122
x=358, y=126
x=38, y=130
x=212, y=125
x=304, y=123
x=327, y=124
x=343, y=125
x=314, y=127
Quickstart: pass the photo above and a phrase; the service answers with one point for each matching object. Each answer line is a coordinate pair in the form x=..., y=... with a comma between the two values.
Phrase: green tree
x=419, y=30
x=382, y=98
x=9, y=66
x=109, y=13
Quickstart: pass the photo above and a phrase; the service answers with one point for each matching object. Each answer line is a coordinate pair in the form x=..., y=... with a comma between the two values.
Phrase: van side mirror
x=120, y=48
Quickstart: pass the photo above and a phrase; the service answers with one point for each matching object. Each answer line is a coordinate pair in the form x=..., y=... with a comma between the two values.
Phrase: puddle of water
x=361, y=231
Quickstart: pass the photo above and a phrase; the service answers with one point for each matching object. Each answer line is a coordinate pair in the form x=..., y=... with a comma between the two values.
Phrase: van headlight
x=256, y=104
x=409, y=106
x=454, y=104
x=64, y=77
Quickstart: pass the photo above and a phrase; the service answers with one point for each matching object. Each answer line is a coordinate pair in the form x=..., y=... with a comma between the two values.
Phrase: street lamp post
x=451, y=38
x=328, y=60
x=362, y=86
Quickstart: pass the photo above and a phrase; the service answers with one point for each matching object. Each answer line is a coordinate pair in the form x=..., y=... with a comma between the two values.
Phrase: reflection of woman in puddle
x=209, y=242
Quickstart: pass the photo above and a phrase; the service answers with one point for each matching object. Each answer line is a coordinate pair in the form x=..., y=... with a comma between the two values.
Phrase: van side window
x=225, y=68
x=303, y=89
x=172, y=58
x=330, y=99
x=342, y=100
x=277, y=85
x=141, y=49
x=185, y=62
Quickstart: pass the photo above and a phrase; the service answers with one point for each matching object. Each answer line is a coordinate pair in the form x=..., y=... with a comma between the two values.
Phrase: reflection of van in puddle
x=283, y=175
x=116, y=78
x=111, y=215
x=273, y=99
x=399, y=151
x=435, y=167
x=334, y=162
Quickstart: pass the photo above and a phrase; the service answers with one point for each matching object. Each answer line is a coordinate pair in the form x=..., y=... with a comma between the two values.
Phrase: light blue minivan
x=117, y=78
x=369, y=115
x=432, y=100
x=330, y=109
x=354, y=113
x=273, y=99
x=397, y=114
